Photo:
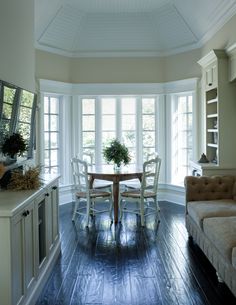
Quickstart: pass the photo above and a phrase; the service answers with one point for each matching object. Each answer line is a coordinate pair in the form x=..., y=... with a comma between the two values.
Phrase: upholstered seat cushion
x=94, y=193
x=137, y=194
x=199, y=210
x=221, y=231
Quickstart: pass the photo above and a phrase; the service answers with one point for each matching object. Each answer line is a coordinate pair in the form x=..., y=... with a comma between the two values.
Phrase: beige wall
x=117, y=70
x=17, y=52
x=131, y=70
x=52, y=66
x=182, y=66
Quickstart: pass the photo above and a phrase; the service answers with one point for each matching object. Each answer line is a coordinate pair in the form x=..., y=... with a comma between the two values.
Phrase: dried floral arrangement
x=2, y=170
x=29, y=180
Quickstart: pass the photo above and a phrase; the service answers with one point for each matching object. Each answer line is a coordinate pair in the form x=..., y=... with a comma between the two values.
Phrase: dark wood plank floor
x=129, y=265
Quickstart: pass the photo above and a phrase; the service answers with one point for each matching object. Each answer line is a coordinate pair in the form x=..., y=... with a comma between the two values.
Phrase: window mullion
x=118, y=119
x=139, y=131
x=98, y=131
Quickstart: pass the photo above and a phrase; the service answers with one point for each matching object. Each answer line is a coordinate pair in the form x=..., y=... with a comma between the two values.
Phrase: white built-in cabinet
x=219, y=99
x=29, y=240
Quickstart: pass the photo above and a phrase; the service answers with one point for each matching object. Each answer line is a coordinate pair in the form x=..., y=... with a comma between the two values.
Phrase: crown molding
x=211, y=57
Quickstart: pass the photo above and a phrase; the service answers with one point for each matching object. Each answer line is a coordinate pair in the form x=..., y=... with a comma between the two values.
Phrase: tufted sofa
x=211, y=222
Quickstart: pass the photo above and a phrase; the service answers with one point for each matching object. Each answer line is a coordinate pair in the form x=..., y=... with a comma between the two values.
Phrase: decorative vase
x=117, y=167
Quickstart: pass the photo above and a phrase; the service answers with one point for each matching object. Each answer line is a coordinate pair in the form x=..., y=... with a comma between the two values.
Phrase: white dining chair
x=97, y=184
x=83, y=193
x=145, y=196
x=135, y=183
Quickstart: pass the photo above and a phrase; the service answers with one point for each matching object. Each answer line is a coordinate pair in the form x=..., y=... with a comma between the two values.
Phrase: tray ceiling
x=85, y=28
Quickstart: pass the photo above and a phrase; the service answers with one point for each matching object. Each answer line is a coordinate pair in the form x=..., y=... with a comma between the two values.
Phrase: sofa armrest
x=209, y=188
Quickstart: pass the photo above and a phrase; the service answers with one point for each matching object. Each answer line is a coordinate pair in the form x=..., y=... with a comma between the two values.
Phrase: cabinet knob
x=24, y=213
x=47, y=194
x=210, y=84
x=54, y=187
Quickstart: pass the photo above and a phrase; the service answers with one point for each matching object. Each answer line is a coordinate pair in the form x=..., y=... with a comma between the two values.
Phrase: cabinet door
x=40, y=208
x=23, y=252
x=52, y=215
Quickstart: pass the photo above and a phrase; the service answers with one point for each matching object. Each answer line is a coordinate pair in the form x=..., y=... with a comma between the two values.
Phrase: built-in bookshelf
x=219, y=99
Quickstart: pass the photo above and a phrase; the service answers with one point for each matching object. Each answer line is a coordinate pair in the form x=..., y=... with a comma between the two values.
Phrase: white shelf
x=215, y=100
x=212, y=145
x=212, y=130
x=214, y=115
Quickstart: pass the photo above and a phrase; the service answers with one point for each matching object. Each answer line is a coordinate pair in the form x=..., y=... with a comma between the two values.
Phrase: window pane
x=128, y=122
x=128, y=105
x=46, y=122
x=107, y=136
x=149, y=122
x=54, y=122
x=54, y=140
x=88, y=139
x=27, y=99
x=46, y=105
x=24, y=129
x=148, y=138
x=88, y=106
x=9, y=95
x=46, y=140
x=108, y=122
x=25, y=114
x=147, y=152
x=88, y=122
x=128, y=137
x=108, y=105
x=54, y=157
x=7, y=109
x=148, y=105
x=46, y=157
x=53, y=105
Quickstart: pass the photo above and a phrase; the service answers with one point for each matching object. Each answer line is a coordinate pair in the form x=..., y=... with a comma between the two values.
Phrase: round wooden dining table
x=107, y=172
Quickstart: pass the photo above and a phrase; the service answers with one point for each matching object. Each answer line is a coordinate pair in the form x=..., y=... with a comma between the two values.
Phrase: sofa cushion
x=199, y=210
x=221, y=232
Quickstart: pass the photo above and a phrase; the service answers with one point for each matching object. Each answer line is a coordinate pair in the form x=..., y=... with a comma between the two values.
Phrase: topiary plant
x=117, y=153
x=14, y=145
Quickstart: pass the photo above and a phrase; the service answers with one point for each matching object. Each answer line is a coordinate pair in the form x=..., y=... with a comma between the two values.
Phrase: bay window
x=162, y=123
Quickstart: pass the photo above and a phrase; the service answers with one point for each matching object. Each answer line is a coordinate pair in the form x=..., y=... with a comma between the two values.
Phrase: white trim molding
x=49, y=86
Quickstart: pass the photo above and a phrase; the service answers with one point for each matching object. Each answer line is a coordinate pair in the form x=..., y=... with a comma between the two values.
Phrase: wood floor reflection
x=127, y=265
